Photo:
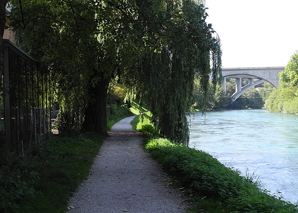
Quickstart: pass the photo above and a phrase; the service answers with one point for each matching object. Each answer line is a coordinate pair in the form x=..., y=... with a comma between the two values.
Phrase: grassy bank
x=44, y=180
x=212, y=186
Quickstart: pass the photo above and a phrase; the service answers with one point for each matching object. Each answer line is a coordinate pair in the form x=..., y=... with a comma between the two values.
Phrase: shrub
x=148, y=130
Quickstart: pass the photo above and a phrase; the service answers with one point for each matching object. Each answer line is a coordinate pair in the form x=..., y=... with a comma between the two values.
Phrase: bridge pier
x=224, y=84
x=238, y=84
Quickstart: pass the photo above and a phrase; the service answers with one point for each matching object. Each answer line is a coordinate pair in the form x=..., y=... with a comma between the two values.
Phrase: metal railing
x=26, y=117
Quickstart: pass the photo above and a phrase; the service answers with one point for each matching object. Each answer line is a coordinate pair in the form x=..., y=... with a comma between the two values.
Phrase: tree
x=279, y=97
x=221, y=100
x=284, y=98
x=214, y=100
x=155, y=47
x=64, y=37
x=167, y=72
x=290, y=75
x=254, y=99
x=266, y=90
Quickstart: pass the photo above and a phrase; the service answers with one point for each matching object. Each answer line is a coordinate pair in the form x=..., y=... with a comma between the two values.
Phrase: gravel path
x=124, y=178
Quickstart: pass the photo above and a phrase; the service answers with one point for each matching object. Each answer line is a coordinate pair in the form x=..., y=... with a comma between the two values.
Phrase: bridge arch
x=255, y=75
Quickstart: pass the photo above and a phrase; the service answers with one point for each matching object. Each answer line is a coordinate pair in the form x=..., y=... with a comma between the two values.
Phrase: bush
x=149, y=130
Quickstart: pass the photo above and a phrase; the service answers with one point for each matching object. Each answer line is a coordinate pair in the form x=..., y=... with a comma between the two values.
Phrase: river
x=256, y=142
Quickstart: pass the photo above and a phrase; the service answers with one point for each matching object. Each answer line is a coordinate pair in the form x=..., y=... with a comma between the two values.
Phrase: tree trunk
x=96, y=111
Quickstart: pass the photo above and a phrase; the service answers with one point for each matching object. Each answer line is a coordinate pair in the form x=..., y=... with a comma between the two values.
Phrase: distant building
x=8, y=34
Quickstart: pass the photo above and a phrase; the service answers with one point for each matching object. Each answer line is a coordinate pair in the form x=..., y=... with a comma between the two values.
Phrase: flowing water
x=256, y=142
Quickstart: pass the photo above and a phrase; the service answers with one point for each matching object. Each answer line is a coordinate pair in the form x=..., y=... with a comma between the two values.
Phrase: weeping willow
x=187, y=49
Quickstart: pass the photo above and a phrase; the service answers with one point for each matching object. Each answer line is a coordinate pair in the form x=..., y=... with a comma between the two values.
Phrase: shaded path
x=124, y=178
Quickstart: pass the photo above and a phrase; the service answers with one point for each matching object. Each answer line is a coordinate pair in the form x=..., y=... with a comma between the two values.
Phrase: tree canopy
x=155, y=47
x=290, y=75
x=285, y=98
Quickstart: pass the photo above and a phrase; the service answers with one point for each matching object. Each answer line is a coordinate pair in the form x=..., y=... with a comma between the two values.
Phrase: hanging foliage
x=186, y=48
x=155, y=47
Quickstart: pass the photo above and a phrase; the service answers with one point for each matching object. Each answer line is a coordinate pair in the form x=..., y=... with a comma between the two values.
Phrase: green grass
x=144, y=119
x=206, y=177
x=45, y=179
x=141, y=120
x=137, y=109
x=117, y=113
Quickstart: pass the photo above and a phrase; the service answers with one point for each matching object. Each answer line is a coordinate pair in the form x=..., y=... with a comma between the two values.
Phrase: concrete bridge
x=255, y=76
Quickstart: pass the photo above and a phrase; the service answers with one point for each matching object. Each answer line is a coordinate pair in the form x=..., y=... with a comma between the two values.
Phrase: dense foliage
x=217, y=99
x=214, y=100
x=154, y=47
x=285, y=98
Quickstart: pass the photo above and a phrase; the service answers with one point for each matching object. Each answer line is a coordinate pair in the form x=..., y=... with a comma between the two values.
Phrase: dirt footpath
x=124, y=178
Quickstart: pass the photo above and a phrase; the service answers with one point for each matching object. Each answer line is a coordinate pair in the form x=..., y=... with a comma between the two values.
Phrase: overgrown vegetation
x=213, y=186
x=217, y=99
x=285, y=98
x=44, y=180
x=117, y=109
x=84, y=46
x=206, y=176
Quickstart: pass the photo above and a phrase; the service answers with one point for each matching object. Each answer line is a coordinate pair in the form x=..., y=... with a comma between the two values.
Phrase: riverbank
x=207, y=179
x=44, y=181
x=258, y=142
x=213, y=186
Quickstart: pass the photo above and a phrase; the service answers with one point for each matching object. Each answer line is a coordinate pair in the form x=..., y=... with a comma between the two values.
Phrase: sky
x=255, y=33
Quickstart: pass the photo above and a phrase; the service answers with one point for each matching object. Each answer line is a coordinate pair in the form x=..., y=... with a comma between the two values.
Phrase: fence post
x=34, y=118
